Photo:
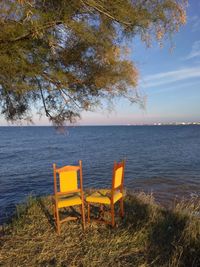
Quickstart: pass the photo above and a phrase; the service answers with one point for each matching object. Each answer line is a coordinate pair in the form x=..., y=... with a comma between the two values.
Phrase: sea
x=160, y=160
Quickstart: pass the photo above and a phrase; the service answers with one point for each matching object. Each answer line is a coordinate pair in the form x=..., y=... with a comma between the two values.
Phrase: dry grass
x=148, y=236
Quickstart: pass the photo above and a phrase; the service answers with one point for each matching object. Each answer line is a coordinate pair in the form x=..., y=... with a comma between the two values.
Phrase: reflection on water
x=164, y=160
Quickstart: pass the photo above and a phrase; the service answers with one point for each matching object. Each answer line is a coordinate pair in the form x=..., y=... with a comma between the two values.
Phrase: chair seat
x=69, y=200
x=103, y=196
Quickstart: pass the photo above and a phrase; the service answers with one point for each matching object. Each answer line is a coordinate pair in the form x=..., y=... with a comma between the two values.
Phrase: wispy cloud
x=165, y=78
x=195, y=20
x=195, y=51
x=172, y=87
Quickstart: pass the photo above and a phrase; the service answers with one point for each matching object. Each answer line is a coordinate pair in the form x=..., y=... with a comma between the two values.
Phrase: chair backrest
x=118, y=175
x=66, y=178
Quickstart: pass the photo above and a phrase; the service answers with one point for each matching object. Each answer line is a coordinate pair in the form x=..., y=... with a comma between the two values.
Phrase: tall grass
x=149, y=235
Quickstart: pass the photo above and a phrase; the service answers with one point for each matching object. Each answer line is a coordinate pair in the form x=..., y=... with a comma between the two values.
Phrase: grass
x=149, y=235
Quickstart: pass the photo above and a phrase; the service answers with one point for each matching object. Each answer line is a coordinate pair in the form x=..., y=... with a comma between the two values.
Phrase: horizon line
x=109, y=125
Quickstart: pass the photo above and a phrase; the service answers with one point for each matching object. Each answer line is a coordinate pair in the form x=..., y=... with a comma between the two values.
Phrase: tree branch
x=31, y=32
x=61, y=90
x=71, y=98
x=43, y=100
x=106, y=13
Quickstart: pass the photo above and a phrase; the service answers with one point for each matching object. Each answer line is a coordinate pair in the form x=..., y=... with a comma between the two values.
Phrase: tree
x=65, y=56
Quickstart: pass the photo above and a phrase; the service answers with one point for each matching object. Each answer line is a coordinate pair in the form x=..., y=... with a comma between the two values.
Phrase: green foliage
x=66, y=56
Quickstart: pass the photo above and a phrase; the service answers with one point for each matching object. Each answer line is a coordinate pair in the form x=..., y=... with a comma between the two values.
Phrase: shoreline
x=159, y=198
x=105, y=125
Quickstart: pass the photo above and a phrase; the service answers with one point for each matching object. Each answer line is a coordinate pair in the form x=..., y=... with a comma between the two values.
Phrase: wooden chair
x=110, y=197
x=67, y=191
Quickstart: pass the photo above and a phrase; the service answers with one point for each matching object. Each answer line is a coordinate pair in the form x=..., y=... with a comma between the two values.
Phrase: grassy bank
x=149, y=235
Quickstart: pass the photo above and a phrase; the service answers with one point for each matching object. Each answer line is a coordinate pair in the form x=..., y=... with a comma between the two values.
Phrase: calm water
x=160, y=159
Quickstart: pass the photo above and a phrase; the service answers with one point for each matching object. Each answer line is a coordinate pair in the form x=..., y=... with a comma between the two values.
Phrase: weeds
x=149, y=235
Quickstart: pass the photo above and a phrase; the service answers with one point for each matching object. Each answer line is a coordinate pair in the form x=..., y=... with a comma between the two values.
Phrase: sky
x=169, y=80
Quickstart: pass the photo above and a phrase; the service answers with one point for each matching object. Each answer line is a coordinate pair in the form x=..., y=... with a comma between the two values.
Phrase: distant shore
x=112, y=125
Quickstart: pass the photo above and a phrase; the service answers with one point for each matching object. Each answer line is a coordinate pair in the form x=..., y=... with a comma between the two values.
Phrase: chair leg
x=83, y=215
x=101, y=207
x=122, y=207
x=54, y=212
x=112, y=215
x=57, y=221
x=101, y=211
x=89, y=212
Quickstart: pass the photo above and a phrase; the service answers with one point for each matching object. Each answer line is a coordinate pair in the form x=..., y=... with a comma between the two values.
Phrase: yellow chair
x=67, y=192
x=110, y=197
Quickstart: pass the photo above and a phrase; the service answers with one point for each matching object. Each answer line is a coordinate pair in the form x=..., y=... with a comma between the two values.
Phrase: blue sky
x=170, y=81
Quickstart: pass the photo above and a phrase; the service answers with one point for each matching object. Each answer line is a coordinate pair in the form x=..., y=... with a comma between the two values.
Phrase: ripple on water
x=163, y=160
